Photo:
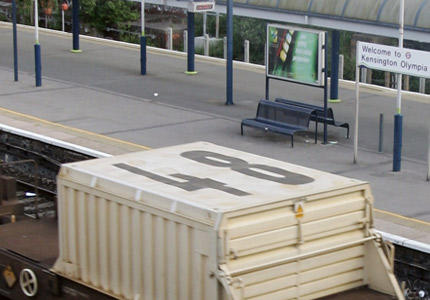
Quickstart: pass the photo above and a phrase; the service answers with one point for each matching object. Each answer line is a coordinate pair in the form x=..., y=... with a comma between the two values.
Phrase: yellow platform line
x=148, y=148
x=402, y=217
x=30, y=117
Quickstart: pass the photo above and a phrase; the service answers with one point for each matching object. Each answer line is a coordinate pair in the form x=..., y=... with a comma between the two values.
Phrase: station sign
x=394, y=59
x=201, y=6
x=195, y=6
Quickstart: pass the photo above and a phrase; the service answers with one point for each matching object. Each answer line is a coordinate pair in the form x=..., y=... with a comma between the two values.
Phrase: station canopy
x=378, y=17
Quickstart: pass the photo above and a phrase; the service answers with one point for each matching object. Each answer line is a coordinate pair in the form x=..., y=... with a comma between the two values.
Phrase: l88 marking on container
x=242, y=166
x=193, y=183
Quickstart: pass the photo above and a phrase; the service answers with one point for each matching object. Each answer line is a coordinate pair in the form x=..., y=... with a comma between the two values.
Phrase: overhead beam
x=325, y=21
x=352, y=25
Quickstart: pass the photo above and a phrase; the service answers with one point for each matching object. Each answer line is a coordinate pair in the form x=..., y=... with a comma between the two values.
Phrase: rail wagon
x=200, y=221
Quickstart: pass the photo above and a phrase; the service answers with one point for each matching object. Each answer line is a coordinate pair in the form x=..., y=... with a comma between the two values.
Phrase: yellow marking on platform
x=148, y=148
x=402, y=217
x=73, y=129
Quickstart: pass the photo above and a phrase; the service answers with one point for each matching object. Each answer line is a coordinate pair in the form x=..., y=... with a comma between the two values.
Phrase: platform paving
x=100, y=92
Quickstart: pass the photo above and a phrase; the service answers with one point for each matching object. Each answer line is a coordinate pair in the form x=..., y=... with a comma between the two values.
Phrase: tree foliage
x=101, y=14
x=244, y=28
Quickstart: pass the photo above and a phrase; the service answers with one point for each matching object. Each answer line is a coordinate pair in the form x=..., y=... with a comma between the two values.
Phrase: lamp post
x=64, y=7
x=190, y=47
x=229, y=83
x=75, y=26
x=37, y=56
x=15, y=44
x=398, y=118
x=142, y=39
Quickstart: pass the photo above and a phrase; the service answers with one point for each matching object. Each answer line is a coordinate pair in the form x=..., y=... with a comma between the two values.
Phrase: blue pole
x=75, y=26
x=229, y=91
x=15, y=45
x=143, y=55
x=397, y=147
x=325, y=88
x=38, y=64
x=334, y=83
x=142, y=39
x=190, y=41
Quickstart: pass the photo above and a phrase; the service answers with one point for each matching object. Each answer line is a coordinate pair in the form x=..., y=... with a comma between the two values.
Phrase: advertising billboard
x=294, y=54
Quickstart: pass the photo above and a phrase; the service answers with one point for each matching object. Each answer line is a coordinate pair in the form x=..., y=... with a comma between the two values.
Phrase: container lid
x=204, y=176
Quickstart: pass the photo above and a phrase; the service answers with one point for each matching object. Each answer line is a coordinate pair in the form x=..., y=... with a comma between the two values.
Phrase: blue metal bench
x=317, y=115
x=279, y=118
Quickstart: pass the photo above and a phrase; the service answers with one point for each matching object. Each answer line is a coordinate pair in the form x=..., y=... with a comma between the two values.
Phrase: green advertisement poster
x=294, y=54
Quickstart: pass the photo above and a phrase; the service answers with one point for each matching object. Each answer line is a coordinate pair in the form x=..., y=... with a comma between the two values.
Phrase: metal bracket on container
x=389, y=251
x=299, y=213
x=233, y=253
x=226, y=281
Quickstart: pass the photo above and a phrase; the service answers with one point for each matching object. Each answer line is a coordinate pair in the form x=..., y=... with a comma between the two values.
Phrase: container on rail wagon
x=200, y=221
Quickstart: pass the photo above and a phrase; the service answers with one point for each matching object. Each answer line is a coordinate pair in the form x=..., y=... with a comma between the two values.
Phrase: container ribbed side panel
x=129, y=252
x=255, y=238
x=94, y=241
x=82, y=235
x=102, y=233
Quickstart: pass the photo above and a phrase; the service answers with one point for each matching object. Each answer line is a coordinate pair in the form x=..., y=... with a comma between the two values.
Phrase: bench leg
x=347, y=132
x=241, y=129
x=292, y=141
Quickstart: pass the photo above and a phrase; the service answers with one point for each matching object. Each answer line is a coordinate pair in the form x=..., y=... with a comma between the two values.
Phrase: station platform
x=98, y=100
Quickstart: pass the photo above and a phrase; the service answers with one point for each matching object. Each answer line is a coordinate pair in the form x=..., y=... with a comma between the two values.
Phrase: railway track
x=43, y=158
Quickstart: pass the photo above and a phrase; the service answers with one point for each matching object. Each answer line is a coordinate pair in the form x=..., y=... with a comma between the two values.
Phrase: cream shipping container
x=200, y=221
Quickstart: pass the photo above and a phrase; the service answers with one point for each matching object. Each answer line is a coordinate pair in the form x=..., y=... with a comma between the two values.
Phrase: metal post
x=225, y=47
x=387, y=78
x=246, y=51
x=185, y=40
x=205, y=19
x=398, y=118
x=206, y=44
x=191, y=51
x=357, y=105
x=37, y=55
x=422, y=85
x=36, y=21
x=169, y=38
x=75, y=26
x=265, y=55
x=406, y=82
x=334, y=79
x=397, y=147
x=62, y=20
x=15, y=43
x=46, y=20
x=267, y=77
x=38, y=64
x=217, y=25
x=229, y=90
x=341, y=65
x=32, y=13
x=363, y=75
x=325, y=87
x=381, y=133
x=142, y=39
x=428, y=156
